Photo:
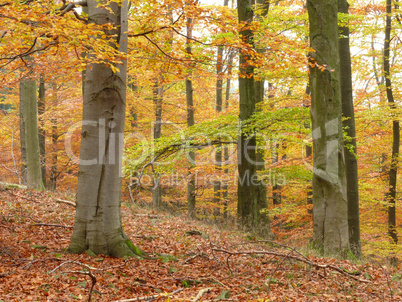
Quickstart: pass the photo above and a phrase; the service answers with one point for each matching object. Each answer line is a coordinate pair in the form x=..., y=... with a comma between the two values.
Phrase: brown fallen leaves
x=195, y=262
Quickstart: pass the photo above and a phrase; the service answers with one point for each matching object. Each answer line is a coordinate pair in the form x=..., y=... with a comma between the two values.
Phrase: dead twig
x=150, y=298
x=388, y=282
x=88, y=272
x=276, y=268
x=53, y=225
x=67, y=202
x=201, y=293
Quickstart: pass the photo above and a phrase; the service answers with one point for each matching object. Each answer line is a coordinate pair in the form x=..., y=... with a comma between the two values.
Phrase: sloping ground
x=194, y=262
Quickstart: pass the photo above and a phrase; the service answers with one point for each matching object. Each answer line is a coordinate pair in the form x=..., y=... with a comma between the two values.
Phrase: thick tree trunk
x=393, y=170
x=247, y=189
x=350, y=144
x=262, y=211
x=190, y=122
x=98, y=224
x=28, y=97
x=330, y=213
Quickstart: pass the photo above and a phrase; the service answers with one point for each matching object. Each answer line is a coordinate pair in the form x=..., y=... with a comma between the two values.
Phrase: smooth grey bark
x=393, y=170
x=247, y=193
x=276, y=188
x=28, y=96
x=158, y=100
x=54, y=135
x=42, y=132
x=219, y=107
x=23, y=147
x=190, y=122
x=98, y=224
x=225, y=186
x=133, y=111
x=262, y=7
x=330, y=213
x=309, y=152
x=348, y=122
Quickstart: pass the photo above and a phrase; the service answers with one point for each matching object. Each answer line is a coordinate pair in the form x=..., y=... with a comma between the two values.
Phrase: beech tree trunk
x=158, y=99
x=218, y=107
x=98, y=224
x=42, y=132
x=262, y=8
x=393, y=170
x=247, y=188
x=330, y=211
x=54, y=167
x=225, y=194
x=28, y=97
x=350, y=144
x=23, y=147
x=190, y=122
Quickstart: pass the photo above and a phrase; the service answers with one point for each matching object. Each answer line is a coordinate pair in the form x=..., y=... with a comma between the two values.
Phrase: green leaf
x=122, y=274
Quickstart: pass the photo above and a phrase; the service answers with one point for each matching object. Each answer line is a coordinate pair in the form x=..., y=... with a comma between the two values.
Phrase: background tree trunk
x=23, y=147
x=262, y=11
x=28, y=97
x=190, y=122
x=225, y=194
x=330, y=214
x=98, y=224
x=393, y=170
x=247, y=193
x=350, y=144
x=42, y=132
x=158, y=101
x=54, y=169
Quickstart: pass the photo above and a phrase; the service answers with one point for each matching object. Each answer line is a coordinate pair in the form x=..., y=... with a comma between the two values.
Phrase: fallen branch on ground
x=298, y=258
x=53, y=225
x=150, y=298
x=67, y=202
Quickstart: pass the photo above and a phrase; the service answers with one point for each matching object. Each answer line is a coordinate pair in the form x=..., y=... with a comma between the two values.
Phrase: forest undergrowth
x=182, y=260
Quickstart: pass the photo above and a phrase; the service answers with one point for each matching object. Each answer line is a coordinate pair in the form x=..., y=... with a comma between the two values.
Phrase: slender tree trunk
x=218, y=107
x=23, y=147
x=158, y=99
x=55, y=137
x=225, y=195
x=276, y=188
x=190, y=122
x=330, y=213
x=393, y=170
x=98, y=224
x=350, y=144
x=42, y=132
x=28, y=97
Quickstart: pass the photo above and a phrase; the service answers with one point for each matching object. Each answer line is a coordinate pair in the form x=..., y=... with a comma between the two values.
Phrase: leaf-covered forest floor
x=195, y=262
